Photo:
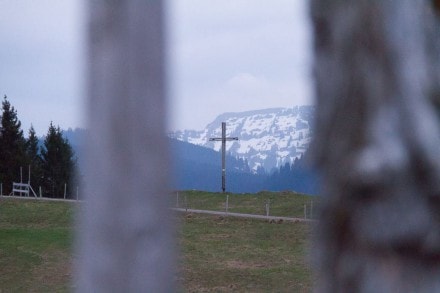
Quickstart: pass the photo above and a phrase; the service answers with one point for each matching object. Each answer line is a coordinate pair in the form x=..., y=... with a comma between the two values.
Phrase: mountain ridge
x=268, y=138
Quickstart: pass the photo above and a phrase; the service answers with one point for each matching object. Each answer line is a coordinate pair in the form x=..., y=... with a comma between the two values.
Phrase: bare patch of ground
x=236, y=264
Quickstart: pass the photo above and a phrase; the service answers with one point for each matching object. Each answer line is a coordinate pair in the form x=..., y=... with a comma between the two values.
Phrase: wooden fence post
x=125, y=240
x=376, y=143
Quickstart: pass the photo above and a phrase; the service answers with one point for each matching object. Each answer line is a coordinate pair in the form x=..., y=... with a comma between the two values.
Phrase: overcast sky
x=223, y=56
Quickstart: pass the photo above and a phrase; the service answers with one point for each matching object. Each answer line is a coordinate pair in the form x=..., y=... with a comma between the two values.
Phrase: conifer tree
x=34, y=158
x=58, y=162
x=12, y=146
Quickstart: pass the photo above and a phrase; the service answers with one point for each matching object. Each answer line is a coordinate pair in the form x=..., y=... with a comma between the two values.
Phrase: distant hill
x=199, y=167
x=193, y=167
x=77, y=138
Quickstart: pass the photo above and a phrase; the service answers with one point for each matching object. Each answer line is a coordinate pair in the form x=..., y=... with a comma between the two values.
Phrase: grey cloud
x=216, y=41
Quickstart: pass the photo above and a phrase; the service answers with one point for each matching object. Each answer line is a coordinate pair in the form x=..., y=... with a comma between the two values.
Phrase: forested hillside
x=51, y=163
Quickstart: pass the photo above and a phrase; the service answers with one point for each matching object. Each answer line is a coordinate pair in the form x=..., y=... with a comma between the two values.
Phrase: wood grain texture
x=377, y=143
x=125, y=239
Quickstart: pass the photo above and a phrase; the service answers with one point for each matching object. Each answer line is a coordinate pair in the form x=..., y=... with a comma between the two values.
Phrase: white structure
x=22, y=189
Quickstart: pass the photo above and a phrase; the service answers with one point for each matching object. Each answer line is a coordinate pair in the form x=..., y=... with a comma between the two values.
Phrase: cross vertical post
x=223, y=139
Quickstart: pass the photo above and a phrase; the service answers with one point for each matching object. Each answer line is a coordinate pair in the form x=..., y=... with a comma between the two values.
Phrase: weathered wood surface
x=125, y=241
x=377, y=143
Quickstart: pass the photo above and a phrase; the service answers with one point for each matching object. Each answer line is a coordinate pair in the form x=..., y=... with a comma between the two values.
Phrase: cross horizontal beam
x=221, y=139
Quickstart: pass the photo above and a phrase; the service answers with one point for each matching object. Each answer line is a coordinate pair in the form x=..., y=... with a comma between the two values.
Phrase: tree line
x=298, y=176
x=52, y=163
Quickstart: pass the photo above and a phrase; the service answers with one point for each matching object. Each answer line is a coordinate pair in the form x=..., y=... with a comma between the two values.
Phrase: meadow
x=217, y=254
x=35, y=245
x=281, y=204
x=243, y=255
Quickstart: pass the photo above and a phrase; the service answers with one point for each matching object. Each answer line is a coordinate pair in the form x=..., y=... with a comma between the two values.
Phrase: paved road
x=261, y=217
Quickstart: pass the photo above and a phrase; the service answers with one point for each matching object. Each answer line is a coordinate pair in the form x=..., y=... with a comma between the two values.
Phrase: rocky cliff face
x=267, y=138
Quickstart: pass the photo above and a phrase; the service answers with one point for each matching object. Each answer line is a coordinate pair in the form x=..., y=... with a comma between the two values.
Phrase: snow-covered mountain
x=267, y=138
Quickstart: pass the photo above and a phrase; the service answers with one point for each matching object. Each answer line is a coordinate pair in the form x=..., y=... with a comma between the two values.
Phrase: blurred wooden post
x=125, y=240
x=377, y=144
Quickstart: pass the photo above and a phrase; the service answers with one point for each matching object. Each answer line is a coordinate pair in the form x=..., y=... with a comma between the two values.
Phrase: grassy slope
x=282, y=204
x=217, y=253
x=35, y=241
x=243, y=255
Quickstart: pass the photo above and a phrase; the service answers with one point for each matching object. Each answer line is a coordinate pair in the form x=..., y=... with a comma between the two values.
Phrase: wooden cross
x=223, y=139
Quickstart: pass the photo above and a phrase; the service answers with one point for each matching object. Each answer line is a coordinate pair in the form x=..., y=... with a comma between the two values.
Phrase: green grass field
x=35, y=246
x=244, y=255
x=217, y=254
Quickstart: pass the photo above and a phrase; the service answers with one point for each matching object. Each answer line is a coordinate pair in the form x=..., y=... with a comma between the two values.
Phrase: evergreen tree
x=12, y=146
x=58, y=162
x=34, y=159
